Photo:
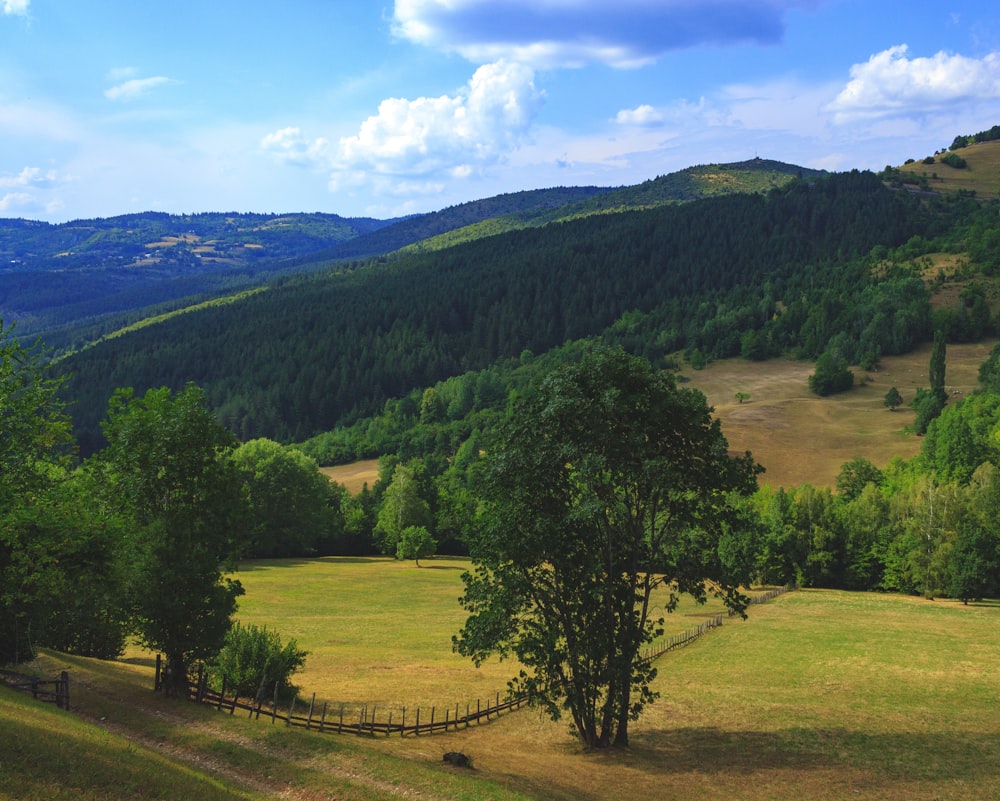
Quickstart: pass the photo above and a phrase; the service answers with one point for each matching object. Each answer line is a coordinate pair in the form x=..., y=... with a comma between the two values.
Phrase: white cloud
x=16, y=200
x=551, y=33
x=19, y=7
x=643, y=116
x=29, y=176
x=135, y=88
x=289, y=146
x=453, y=134
x=890, y=83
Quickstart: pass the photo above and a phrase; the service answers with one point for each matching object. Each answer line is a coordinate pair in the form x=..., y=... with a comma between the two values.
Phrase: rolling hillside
x=320, y=350
x=75, y=282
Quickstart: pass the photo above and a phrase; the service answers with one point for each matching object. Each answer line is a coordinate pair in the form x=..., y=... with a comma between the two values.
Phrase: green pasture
x=378, y=631
x=818, y=695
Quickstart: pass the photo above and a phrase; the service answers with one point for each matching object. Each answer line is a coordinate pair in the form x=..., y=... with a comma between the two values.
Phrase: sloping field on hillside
x=801, y=438
x=819, y=694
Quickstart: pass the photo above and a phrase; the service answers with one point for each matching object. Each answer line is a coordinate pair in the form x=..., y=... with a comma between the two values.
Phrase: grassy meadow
x=379, y=631
x=982, y=173
x=818, y=694
x=801, y=438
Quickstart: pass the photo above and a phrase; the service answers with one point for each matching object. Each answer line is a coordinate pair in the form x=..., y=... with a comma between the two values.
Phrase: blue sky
x=388, y=108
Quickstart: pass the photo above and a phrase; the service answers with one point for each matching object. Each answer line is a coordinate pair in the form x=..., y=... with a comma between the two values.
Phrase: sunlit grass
x=819, y=694
x=379, y=631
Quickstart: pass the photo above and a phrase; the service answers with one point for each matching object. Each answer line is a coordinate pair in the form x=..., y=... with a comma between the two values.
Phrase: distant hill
x=692, y=183
x=75, y=282
x=752, y=274
x=973, y=167
x=52, y=275
x=425, y=226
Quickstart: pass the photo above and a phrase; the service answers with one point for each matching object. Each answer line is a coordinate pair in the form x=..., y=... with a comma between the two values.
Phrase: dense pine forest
x=787, y=272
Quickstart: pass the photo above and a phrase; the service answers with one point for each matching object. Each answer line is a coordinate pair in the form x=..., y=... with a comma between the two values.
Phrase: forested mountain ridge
x=691, y=183
x=54, y=275
x=75, y=282
x=784, y=272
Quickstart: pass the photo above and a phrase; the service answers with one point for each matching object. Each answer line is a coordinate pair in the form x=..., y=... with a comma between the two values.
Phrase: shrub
x=253, y=659
x=831, y=376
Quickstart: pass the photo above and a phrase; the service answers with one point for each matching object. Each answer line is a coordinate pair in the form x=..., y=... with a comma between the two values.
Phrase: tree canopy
x=166, y=471
x=605, y=484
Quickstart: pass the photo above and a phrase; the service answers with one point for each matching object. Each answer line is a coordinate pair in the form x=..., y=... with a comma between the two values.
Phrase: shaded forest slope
x=321, y=350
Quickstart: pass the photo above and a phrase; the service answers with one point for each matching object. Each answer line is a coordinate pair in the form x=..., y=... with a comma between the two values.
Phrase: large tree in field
x=166, y=471
x=604, y=485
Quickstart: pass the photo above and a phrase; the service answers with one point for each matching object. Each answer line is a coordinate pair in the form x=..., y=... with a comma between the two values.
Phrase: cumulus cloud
x=29, y=176
x=452, y=134
x=890, y=82
x=290, y=146
x=642, y=116
x=135, y=88
x=554, y=33
x=19, y=7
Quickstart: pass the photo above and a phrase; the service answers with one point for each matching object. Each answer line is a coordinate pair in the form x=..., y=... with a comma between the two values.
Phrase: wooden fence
x=334, y=719
x=40, y=688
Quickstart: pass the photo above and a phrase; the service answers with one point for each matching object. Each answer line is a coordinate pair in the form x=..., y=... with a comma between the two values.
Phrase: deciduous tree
x=606, y=484
x=167, y=472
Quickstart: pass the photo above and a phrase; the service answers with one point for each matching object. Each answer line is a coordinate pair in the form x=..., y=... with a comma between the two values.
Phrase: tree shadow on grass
x=896, y=756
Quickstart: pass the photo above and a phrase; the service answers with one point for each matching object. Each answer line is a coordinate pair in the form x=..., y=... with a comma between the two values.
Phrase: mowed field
x=818, y=695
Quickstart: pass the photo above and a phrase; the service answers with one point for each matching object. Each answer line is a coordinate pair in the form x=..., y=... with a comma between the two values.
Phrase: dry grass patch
x=799, y=437
x=802, y=438
x=355, y=475
x=819, y=695
x=981, y=175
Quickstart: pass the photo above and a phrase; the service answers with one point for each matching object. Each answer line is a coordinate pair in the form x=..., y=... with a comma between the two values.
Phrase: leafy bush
x=415, y=542
x=953, y=160
x=831, y=376
x=253, y=659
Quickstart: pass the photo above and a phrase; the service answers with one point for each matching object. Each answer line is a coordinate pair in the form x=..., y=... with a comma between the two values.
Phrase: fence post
x=63, y=693
x=416, y=729
x=322, y=720
x=291, y=708
x=310, y=719
x=402, y=724
x=340, y=725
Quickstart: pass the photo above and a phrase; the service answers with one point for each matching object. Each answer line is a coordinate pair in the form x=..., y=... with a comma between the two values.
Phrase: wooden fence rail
x=334, y=719
x=39, y=688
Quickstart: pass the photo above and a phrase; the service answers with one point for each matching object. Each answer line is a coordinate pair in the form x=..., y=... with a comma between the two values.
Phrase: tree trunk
x=177, y=684
x=621, y=736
